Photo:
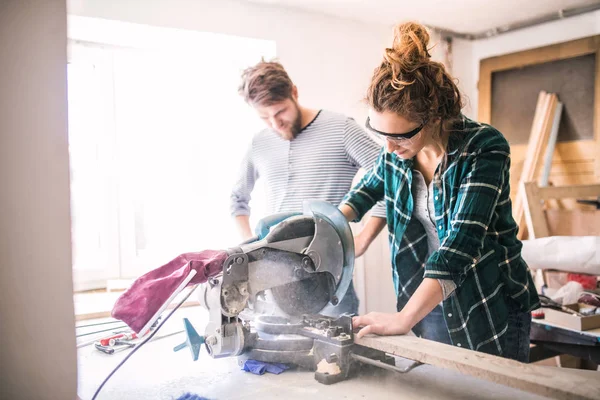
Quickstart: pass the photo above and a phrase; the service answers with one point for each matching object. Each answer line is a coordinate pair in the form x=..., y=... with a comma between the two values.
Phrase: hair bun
x=409, y=47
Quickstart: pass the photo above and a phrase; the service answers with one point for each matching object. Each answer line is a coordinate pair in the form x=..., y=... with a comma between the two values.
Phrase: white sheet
x=580, y=254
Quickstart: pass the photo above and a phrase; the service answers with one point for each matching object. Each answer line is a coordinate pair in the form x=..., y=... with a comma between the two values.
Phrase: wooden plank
x=538, y=142
x=549, y=153
x=534, y=211
x=534, y=139
x=552, y=383
x=484, y=86
x=597, y=112
x=569, y=192
x=573, y=222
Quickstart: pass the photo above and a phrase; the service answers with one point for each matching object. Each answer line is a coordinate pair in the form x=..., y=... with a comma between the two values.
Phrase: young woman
x=456, y=259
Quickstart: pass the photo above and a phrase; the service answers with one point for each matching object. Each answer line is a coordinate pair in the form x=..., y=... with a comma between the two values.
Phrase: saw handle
x=264, y=225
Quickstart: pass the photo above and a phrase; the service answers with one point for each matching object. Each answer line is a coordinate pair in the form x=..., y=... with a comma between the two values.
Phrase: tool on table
x=110, y=341
x=120, y=342
x=277, y=293
x=104, y=349
x=549, y=303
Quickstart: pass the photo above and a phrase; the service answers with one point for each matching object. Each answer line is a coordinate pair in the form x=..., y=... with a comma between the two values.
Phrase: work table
x=156, y=372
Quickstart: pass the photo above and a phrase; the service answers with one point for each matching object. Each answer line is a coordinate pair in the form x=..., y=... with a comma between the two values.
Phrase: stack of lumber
x=538, y=158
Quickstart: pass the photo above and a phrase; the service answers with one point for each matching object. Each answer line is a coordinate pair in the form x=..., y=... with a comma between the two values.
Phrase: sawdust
x=328, y=368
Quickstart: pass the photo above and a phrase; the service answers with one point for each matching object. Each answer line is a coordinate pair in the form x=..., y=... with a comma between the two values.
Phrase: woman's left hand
x=381, y=324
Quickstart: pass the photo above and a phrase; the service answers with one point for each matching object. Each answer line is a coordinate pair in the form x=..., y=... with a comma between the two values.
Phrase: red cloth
x=587, y=281
x=149, y=292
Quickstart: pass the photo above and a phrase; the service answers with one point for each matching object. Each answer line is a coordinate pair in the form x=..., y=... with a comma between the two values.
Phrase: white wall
x=37, y=335
x=329, y=59
x=468, y=54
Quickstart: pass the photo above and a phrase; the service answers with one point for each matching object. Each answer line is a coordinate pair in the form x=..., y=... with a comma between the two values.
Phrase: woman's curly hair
x=410, y=84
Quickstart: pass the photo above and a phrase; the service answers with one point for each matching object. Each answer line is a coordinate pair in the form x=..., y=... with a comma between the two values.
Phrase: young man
x=302, y=154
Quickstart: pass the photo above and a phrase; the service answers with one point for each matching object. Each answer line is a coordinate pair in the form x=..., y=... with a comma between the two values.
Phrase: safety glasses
x=395, y=137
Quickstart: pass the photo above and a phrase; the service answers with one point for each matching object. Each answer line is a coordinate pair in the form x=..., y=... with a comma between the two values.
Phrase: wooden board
x=552, y=383
x=536, y=148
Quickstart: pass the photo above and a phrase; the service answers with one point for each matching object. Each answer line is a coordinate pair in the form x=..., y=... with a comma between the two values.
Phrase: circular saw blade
x=307, y=296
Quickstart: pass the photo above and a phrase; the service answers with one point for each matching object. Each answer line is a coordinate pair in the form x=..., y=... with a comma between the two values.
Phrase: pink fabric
x=149, y=292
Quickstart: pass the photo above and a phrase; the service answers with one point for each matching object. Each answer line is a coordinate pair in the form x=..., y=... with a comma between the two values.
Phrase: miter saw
x=276, y=298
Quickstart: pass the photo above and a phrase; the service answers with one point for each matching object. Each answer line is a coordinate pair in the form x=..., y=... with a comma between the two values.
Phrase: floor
x=156, y=372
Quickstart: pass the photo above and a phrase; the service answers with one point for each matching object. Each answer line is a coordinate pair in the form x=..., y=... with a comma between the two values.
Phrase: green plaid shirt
x=479, y=249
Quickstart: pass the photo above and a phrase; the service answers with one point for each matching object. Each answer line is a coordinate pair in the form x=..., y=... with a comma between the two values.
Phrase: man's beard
x=295, y=128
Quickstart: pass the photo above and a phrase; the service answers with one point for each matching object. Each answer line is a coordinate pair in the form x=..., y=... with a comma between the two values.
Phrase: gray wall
x=37, y=343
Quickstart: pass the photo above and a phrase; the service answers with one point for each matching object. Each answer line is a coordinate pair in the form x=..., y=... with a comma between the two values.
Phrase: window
x=156, y=138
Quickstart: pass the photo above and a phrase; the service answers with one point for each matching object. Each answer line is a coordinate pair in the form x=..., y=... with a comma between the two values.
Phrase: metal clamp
x=376, y=363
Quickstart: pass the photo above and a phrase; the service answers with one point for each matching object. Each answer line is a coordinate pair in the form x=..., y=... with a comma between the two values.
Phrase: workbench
x=553, y=339
x=156, y=372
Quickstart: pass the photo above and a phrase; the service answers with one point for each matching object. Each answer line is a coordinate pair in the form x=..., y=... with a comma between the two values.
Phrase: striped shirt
x=479, y=250
x=319, y=164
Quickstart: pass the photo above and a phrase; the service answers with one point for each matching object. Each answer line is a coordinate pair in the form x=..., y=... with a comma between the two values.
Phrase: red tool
x=110, y=341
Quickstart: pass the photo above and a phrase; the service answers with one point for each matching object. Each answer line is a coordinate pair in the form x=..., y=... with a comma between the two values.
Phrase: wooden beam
x=569, y=192
x=549, y=382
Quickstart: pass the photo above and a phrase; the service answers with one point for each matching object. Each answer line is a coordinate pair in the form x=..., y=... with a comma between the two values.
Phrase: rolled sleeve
x=368, y=191
x=363, y=151
x=242, y=189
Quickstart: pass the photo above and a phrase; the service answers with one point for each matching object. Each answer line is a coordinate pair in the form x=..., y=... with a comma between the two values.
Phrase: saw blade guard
x=331, y=249
x=336, y=220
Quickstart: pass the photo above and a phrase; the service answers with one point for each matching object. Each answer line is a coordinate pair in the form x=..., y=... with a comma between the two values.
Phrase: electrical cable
x=136, y=348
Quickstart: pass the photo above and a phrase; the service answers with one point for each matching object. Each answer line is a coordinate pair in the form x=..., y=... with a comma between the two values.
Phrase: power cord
x=136, y=348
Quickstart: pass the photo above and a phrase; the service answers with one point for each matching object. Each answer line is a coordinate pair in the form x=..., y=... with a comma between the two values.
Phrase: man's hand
x=243, y=224
x=382, y=324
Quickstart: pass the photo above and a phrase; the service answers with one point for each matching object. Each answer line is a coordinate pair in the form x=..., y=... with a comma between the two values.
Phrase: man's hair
x=265, y=84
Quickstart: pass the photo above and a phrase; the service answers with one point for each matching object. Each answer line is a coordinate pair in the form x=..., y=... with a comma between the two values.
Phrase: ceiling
x=463, y=16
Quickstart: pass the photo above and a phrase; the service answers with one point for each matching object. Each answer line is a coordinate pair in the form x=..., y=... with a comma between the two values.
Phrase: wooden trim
x=560, y=51
x=539, y=55
x=553, y=383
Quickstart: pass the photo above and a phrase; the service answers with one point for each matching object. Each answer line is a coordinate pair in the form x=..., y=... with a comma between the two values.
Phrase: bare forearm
x=427, y=296
x=372, y=228
x=243, y=225
x=348, y=212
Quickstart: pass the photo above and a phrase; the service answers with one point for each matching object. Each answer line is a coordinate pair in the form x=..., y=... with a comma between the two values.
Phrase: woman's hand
x=382, y=324
x=361, y=244
x=363, y=240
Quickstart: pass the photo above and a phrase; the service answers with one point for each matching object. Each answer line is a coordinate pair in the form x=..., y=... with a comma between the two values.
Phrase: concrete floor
x=156, y=372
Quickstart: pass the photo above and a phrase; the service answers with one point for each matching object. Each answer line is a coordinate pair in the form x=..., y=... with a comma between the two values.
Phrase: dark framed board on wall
x=508, y=89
